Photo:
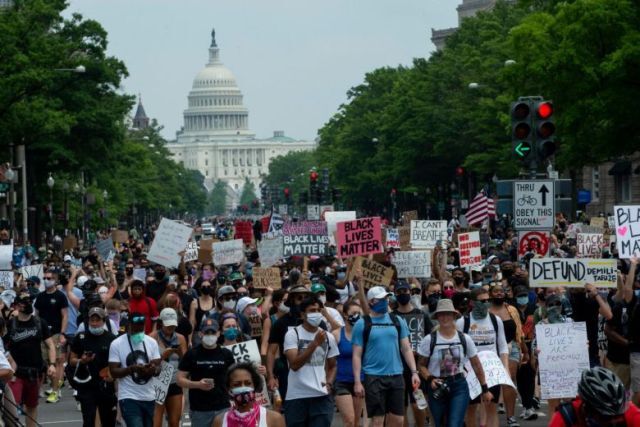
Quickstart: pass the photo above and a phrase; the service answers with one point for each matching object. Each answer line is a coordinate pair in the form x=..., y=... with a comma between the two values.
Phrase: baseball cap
x=377, y=292
x=236, y=275
x=208, y=325
x=169, y=317
x=67, y=258
x=137, y=318
x=402, y=284
x=97, y=311
x=244, y=302
x=318, y=287
x=226, y=290
x=299, y=289
x=34, y=279
x=80, y=281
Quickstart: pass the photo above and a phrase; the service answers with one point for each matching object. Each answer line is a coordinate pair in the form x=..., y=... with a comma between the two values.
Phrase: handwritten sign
x=598, y=222
x=69, y=243
x=412, y=264
x=191, y=252
x=171, y=239
x=359, y=237
x=590, y=244
x=161, y=383
x=415, y=323
x=393, y=238
x=120, y=236
x=105, y=248
x=229, y=252
x=469, y=246
x=409, y=216
x=627, y=220
x=373, y=273
x=6, y=279
x=333, y=218
x=140, y=274
x=205, y=251
x=6, y=256
x=32, y=270
x=533, y=241
x=562, y=358
x=270, y=250
x=306, y=238
x=266, y=278
x=255, y=322
x=426, y=234
x=405, y=238
x=572, y=272
x=246, y=351
x=494, y=373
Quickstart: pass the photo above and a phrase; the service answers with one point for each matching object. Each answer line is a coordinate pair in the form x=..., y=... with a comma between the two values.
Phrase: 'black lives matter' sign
x=305, y=238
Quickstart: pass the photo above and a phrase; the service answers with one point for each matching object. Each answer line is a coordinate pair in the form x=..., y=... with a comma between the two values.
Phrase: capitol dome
x=214, y=75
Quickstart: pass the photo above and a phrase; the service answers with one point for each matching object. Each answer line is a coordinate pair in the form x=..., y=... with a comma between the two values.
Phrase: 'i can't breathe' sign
x=360, y=237
x=627, y=219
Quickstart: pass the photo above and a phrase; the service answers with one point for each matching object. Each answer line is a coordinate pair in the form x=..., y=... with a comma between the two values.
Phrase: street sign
x=283, y=209
x=313, y=212
x=533, y=205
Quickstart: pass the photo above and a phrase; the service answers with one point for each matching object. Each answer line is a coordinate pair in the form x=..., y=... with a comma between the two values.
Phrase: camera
x=442, y=391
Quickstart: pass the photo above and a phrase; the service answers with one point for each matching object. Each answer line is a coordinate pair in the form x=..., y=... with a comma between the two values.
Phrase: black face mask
x=352, y=319
x=403, y=299
x=497, y=301
x=459, y=280
x=159, y=275
x=205, y=290
x=129, y=271
x=432, y=301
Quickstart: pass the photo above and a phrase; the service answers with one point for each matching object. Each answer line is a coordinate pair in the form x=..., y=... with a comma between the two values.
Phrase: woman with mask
x=231, y=335
x=202, y=306
x=431, y=296
x=526, y=375
x=349, y=405
x=243, y=382
x=449, y=289
x=173, y=301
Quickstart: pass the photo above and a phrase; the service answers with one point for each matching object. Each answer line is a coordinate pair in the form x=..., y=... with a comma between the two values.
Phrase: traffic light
x=313, y=186
x=286, y=195
x=521, y=135
x=335, y=194
x=263, y=192
x=304, y=198
x=545, y=130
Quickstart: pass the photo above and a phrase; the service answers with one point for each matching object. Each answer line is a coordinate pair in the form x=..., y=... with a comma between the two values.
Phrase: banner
x=494, y=373
x=393, y=238
x=105, y=249
x=270, y=250
x=415, y=323
x=359, y=237
x=333, y=218
x=533, y=241
x=266, y=278
x=229, y=252
x=306, y=238
x=572, y=272
x=627, y=219
x=412, y=264
x=161, y=383
x=426, y=234
x=373, y=273
x=120, y=236
x=191, y=252
x=469, y=247
x=564, y=354
x=590, y=244
x=171, y=238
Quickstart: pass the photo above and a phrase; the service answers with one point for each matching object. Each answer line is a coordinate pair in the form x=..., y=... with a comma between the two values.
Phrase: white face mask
x=209, y=341
x=323, y=299
x=314, y=319
x=282, y=308
x=230, y=305
x=48, y=284
x=416, y=300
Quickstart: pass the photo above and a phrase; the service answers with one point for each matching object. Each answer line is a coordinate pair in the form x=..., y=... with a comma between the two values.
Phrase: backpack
x=494, y=322
x=434, y=337
x=568, y=413
x=368, y=324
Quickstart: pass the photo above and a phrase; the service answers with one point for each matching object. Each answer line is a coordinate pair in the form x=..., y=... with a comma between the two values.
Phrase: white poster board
x=6, y=279
x=32, y=270
x=270, y=250
x=229, y=252
x=6, y=256
x=563, y=355
x=426, y=234
x=590, y=244
x=469, y=249
x=627, y=220
x=573, y=272
x=161, y=383
x=191, y=252
x=333, y=218
x=412, y=264
x=171, y=238
x=494, y=373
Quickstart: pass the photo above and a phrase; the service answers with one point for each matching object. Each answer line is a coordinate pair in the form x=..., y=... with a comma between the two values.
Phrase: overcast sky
x=294, y=60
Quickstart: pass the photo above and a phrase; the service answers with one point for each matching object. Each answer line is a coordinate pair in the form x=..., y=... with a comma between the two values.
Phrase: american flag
x=481, y=208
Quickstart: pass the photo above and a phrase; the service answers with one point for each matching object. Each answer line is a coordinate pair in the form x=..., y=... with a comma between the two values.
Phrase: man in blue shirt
x=382, y=366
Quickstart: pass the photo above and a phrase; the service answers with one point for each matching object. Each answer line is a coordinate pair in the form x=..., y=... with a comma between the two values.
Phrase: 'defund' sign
x=572, y=272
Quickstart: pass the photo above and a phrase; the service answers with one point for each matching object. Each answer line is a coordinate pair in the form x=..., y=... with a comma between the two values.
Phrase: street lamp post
x=10, y=175
x=50, y=183
x=105, y=196
x=65, y=188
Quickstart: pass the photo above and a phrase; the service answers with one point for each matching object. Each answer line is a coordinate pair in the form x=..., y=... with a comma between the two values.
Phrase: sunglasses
x=556, y=304
x=448, y=287
x=137, y=319
x=228, y=298
x=416, y=291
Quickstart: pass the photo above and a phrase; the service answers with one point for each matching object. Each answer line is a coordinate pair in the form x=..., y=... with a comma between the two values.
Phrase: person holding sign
x=232, y=334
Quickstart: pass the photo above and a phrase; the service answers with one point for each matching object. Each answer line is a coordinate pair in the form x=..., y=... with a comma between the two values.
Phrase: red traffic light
x=286, y=192
x=459, y=171
x=313, y=176
x=544, y=110
x=520, y=110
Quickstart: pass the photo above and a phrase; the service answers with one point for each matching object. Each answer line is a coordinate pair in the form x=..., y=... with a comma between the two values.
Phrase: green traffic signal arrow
x=523, y=148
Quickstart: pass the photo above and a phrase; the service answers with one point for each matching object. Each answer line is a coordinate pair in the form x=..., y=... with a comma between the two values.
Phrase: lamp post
x=105, y=196
x=10, y=175
x=65, y=189
x=50, y=183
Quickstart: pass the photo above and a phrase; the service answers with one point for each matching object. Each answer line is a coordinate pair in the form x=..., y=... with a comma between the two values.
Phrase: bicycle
x=528, y=200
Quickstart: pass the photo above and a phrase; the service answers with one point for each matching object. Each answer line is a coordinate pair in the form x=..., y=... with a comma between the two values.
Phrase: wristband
x=415, y=371
x=485, y=389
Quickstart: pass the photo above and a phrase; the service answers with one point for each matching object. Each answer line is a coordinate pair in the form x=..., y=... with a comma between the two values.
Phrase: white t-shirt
x=483, y=335
x=335, y=315
x=448, y=357
x=120, y=352
x=346, y=292
x=310, y=379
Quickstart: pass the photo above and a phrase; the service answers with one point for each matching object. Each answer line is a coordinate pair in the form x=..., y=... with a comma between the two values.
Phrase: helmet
x=603, y=392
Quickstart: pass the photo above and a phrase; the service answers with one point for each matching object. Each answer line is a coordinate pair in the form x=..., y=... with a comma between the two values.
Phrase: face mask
x=115, y=317
x=207, y=274
x=416, y=301
x=432, y=300
x=48, y=284
x=448, y=293
x=28, y=309
x=497, y=301
x=96, y=331
x=137, y=338
x=323, y=299
x=554, y=314
x=282, y=308
x=352, y=319
x=314, y=319
x=129, y=271
x=230, y=305
x=209, y=341
x=480, y=309
x=231, y=334
x=523, y=300
x=341, y=275
x=403, y=299
x=205, y=290
x=459, y=280
x=243, y=395
x=381, y=307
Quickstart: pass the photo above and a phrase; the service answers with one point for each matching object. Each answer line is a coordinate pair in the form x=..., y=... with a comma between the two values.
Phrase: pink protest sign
x=359, y=237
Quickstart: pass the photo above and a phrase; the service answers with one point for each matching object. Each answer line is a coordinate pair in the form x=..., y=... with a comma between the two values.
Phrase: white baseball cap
x=377, y=292
x=244, y=302
x=169, y=317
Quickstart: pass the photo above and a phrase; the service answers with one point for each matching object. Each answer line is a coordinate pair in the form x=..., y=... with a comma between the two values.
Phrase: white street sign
x=313, y=212
x=533, y=205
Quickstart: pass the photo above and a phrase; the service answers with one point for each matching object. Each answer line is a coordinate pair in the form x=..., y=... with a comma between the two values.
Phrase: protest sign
x=611, y=222
x=590, y=244
x=393, y=238
x=533, y=241
x=313, y=212
x=69, y=243
x=333, y=218
x=409, y=216
x=246, y=351
x=405, y=238
x=469, y=247
x=244, y=231
x=161, y=383
x=598, y=222
x=6, y=256
x=426, y=234
x=266, y=278
x=270, y=250
x=572, y=272
x=105, y=249
x=229, y=252
x=191, y=252
x=324, y=209
x=170, y=240
x=359, y=237
x=6, y=279
x=120, y=236
x=32, y=270
x=305, y=238
x=627, y=220
x=412, y=264
x=205, y=251
x=563, y=356
x=415, y=323
x=255, y=323
x=373, y=273
x=140, y=274
x=494, y=373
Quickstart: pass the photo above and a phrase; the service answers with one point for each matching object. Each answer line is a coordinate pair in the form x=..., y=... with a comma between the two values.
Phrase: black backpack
x=368, y=324
x=494, y=322
x=434, y=337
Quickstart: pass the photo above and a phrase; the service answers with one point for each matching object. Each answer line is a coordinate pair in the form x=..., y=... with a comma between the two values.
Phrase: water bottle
x=420, y=400
x=277, y=399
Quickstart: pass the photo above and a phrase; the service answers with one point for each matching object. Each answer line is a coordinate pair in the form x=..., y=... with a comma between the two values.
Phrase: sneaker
x=53, y=397
x=511, y=422
x=530, y=414
x=536, y=403
x=501, y=409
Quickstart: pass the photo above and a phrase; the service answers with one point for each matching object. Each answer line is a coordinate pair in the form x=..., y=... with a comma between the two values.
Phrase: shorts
x=622, y=370
x=25, y=391
x=514, y=352
x=174, y=390
x=56, y=343
x=384, y=394
x=495, y=391
x=634, y=362
x=341, y=388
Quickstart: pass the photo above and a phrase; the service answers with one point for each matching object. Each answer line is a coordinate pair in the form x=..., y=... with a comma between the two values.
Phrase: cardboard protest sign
x=205, y=251
x=229, y=252
x=171, y=238
x=562, y=358
x=359, y=237
x=333, y=218
x=426, y=234
x=373, y=273
x=140, y=274
x=270, y=250
x=255, y=323
x=627, y=220
x=405, y=238
x=572, y=272
x=32, y=270
x=305, y=238
x=69, y=243
x=393, y=238
x=469, y=247
x=409, y=216
x=590, y=244
x=191, y=252
x=494, y=372
x=598, y=222
x=415, y=323
x=161, y=383
x=266, y=278
x=6, y=279
x=533, y=241
x=120, y=236
x=412, y=264
x=246, y=351
x=105, y=248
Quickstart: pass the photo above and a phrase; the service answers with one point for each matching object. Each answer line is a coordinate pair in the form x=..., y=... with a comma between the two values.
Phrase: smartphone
x=88, y=353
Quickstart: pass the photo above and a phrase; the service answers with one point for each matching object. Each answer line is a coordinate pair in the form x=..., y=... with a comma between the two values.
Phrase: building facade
x=215, y=138
x=466, y=9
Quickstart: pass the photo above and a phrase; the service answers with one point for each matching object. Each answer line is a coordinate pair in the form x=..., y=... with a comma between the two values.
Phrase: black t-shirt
x=620, y=321
x=99, y=345
x=201, y=363
x=155, y=289
x=121, y=295
x=184, y=326
x=587, y=310
x=280, y=329
x=634, y=325
x=49, y=306
x=25, y=339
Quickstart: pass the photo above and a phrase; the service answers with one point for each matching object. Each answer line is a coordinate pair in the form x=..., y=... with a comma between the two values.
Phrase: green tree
x=291, y=171
x=248, y=194
x=217, y=203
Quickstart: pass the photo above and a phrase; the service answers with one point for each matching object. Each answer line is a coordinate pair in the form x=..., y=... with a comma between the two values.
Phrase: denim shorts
x=514, y=352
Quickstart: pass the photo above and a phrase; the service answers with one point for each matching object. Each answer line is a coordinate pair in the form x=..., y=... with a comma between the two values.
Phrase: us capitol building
x=215, y=138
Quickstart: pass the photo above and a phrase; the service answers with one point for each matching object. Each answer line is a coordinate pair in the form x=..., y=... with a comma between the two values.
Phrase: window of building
x=235, y=171
x=206, y=173
x=225, y=172
x=623, y=187
x=206, y=162
x=236, y=186
x=595, y=183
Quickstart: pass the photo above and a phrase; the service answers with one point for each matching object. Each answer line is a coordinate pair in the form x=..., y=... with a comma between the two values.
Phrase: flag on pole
x=481, y=208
